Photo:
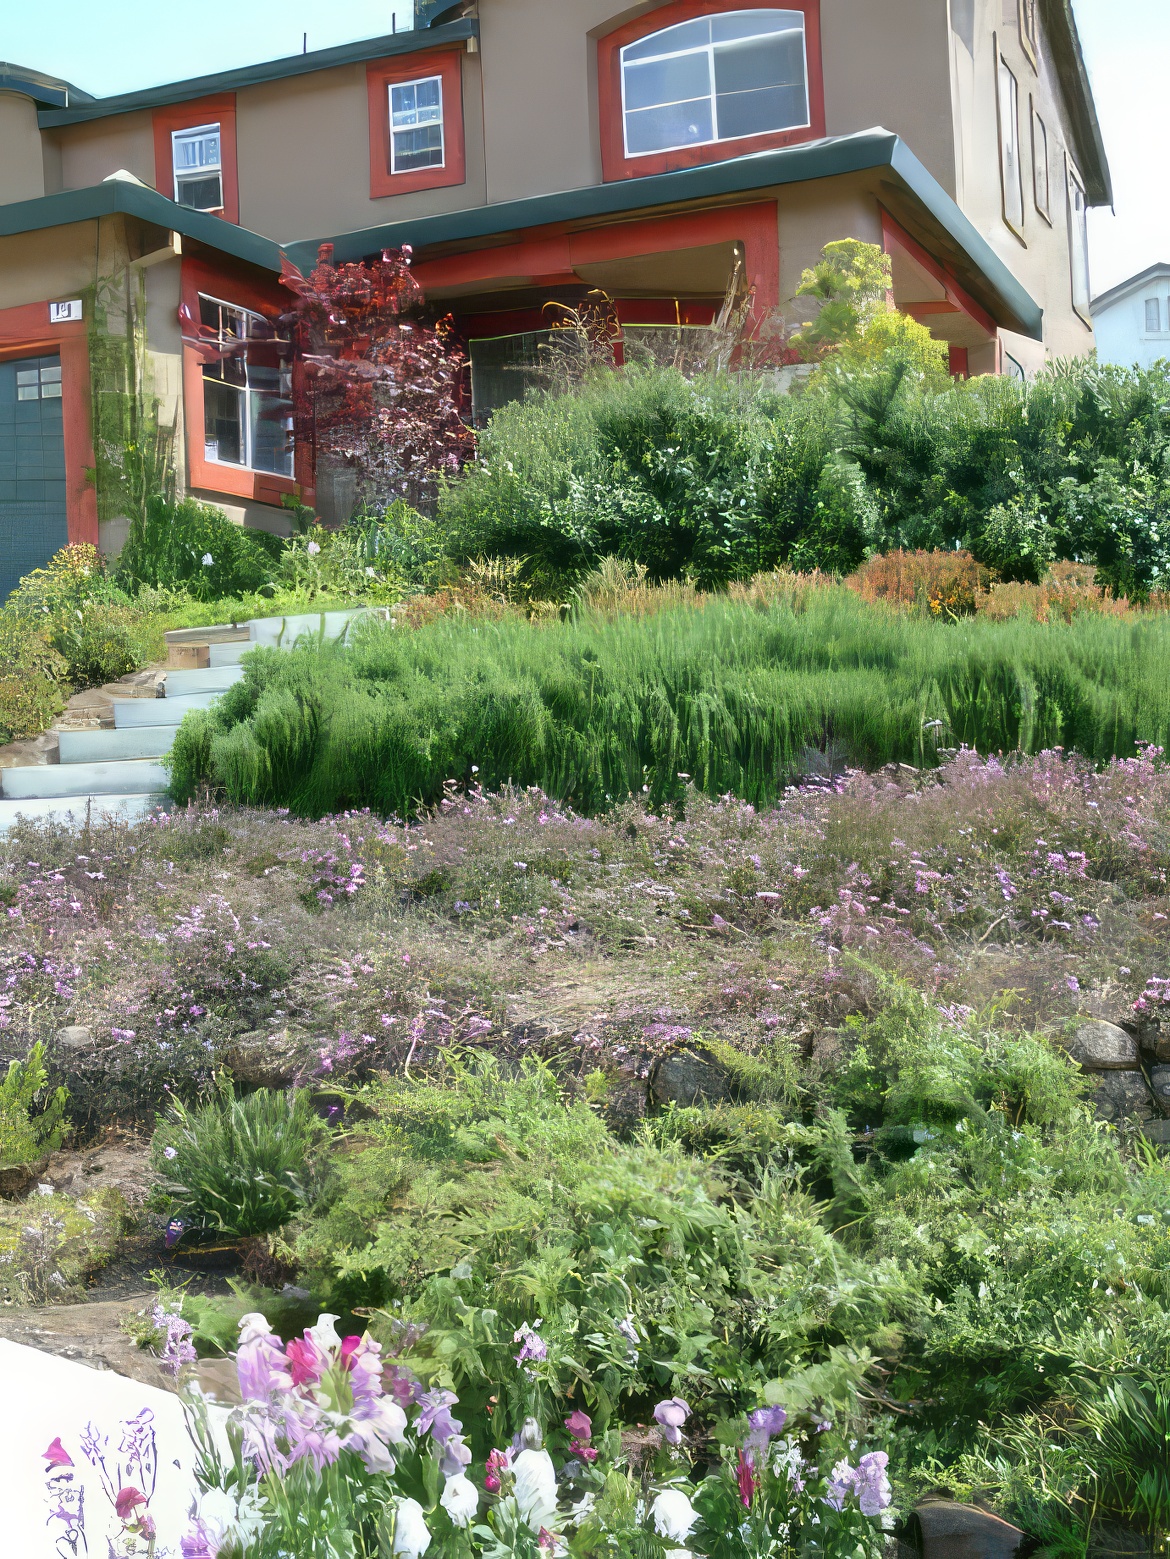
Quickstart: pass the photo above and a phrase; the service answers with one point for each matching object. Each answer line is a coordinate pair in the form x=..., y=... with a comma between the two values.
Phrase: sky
x=107, y=46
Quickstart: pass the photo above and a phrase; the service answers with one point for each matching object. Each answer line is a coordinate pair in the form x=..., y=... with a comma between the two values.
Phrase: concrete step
x=121, y=777
x=285, y=631
x=214, y=680
x=228, y=654
x=73, y=809
x=148, y=741
x=220, y=633
x=132, y=713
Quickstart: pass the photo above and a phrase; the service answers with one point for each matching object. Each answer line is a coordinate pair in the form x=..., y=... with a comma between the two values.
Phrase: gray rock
x=689, y=1078
x=1160, y=1083
x=1118, y=1096
x=75, y=1037
x=1103, y=1047
x=1157, y=1132
x=944, y=1529
x=264, y=1059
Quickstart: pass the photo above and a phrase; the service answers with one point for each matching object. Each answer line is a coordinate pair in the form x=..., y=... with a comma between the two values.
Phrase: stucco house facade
x=1132, y=320
x=529, y=152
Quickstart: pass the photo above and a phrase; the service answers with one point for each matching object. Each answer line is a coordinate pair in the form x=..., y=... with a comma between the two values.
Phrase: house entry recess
x=32, y=467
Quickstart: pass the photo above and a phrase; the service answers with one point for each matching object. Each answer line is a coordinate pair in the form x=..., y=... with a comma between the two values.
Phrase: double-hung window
x=416, y=125
x=1078, y=243
x=716, y=78
x=1153, y=316
x=198, y=165
x=1010, y=164
x=247, y=390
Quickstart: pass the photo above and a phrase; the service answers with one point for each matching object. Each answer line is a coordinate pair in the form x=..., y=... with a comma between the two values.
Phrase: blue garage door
x=32, y=467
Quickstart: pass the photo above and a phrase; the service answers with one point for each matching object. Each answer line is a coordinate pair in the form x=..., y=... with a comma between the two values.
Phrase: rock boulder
x=1103, y=1047
x=1118, y=1096
x=944, y=1529
x=689, y=1077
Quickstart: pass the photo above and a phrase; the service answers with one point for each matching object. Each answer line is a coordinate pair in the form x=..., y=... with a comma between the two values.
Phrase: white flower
x=536, y=1488
x=313, y=548
x=460, y=1499
x=371, y=573
x=208, y=560
x=411, y=1534
x=673, y=1515
x=324, y=1334
x=252, y=1327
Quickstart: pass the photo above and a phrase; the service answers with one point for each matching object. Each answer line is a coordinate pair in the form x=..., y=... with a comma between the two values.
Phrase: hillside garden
x=666, y=1034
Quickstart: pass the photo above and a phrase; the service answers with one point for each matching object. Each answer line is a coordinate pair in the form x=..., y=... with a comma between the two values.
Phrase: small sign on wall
x=62, y=313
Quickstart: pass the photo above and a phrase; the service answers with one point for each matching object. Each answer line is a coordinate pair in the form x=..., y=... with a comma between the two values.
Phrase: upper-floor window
x=247, y=390
x=416, y=124
x=1153, y=316
x=1078, y=242
x=1030, y=30
x=198, y=167
x=1010, y=165
x=715, y=78
x=1041, y=175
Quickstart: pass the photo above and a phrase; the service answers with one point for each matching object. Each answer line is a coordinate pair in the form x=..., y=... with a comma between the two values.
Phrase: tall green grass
x=736, y=694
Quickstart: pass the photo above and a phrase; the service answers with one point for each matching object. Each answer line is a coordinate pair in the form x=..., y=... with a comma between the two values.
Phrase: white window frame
x=1008, y=114
x=417, y=81
x=205, y=170
x=709, y=50
x=246, y=392
x=1156, y=328
x=1075, y=182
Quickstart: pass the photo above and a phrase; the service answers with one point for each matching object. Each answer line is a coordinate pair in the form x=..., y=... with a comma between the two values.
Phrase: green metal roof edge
x=271, y=70
x=48, y=90
x=759, y=170
x=1070, y=63
x=131, y=199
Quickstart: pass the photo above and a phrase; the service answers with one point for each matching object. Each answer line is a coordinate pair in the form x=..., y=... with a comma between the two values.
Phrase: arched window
x=722, y=77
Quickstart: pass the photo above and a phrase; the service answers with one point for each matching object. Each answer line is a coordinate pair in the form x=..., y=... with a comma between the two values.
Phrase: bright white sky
x=118, y=45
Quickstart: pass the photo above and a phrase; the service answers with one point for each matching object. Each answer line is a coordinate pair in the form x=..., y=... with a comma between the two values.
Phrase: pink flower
x=498, y=1463
x=57, y=1455
x=305, y=1363
x=260, y=1362
x=745, y=1476
x=579, y=1425
x=128, y=1500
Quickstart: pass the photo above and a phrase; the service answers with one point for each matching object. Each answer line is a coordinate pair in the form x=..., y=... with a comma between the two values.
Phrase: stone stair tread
x=132, y=712
x=209, y=680
x=74, y=808
x=96, y=746
x=118, y=776
x=220, y=633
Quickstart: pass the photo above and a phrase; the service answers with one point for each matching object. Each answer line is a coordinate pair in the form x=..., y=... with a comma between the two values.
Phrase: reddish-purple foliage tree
x=376, y=389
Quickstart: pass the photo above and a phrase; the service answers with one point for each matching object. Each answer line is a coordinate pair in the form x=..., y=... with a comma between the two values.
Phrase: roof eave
x=990, y=279
x=1069, y=59
x=1125, y=288
x=255, y=75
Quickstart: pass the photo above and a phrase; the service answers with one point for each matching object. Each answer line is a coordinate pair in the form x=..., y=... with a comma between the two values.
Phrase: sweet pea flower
x=764, y=1425
x=673, y=1515
x=312, y=549
x=128, y=1500
x=499, y=1466
x=536, y=1479
x=57, y=1455
x=460, y=1499
x=412, y=1536
x=579, y=1425
x=672, y=1415
x=261, y=1365
x=531, y=1346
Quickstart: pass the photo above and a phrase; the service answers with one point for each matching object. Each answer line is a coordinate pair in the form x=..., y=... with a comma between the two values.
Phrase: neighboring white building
x=1132, y=321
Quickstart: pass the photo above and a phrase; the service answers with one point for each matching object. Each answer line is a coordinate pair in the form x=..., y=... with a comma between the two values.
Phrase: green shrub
x=167, y=547
x=238, y=1166
x=32, y=1118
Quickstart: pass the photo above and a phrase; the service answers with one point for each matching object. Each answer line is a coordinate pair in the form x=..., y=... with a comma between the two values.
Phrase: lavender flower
x=531, y=1346
x=672, y=1415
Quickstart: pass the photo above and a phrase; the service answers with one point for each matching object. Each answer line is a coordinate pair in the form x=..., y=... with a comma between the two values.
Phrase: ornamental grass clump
x=238, y=1167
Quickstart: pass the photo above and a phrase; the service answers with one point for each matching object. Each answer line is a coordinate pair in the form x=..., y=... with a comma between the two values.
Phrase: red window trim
x=614, y=162
x=219, y=110
x=447, y=64
x=243, y=291
x=25, y=332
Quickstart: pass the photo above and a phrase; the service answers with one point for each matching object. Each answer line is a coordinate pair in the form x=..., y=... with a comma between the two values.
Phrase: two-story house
x=528, y=151
x=1132, y=320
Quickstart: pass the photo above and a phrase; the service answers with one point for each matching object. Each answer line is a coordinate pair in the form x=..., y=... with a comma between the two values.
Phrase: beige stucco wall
x=812, y=215
x=56, y=262
x=1040, y=257
x=304, y=160
x=22, y=168
x=90, y=152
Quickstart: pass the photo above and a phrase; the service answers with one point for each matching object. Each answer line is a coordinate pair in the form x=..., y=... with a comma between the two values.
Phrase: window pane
x=1078, y=246
x=1009, y=131
x=197, y=151
x=687, y=35
x=51, y=375
x=680, y=124
x=755, y=24
x=223, y=430
x=201, y=193
x=1040, y=172
x=51, y=392
x=1153, y=314
x=668, y=81
x=271, y=450
x=760, y=87
x=418, y=148
x=416, y=102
